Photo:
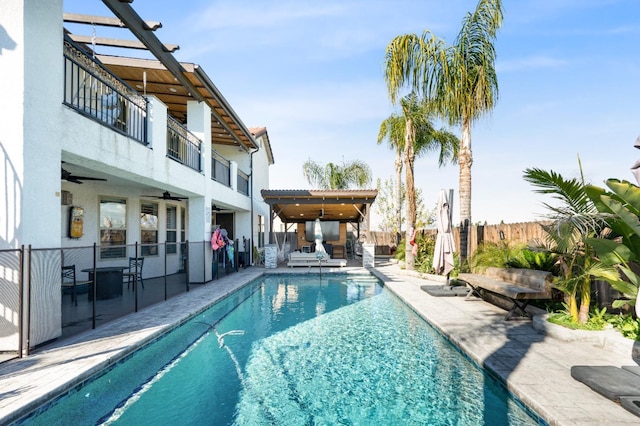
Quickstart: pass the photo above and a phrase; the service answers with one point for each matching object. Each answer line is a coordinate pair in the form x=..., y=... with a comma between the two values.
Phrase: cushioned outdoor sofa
x=311, y=259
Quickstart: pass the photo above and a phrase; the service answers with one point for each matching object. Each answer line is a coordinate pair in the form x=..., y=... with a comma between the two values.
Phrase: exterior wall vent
x=66, y=198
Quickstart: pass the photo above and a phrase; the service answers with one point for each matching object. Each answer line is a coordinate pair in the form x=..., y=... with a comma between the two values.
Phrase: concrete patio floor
x=535, y=366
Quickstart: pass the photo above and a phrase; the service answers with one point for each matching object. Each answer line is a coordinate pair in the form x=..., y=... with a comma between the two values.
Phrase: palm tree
x=412, y=134
x=393, y=130
x=576, y=221
x=460, y=80
x=335, y=176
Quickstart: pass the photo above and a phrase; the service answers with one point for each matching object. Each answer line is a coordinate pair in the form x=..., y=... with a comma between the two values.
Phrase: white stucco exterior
x=38, y=132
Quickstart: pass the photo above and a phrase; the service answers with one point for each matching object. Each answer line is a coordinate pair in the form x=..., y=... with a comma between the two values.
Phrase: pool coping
x=477, y=328
x=534, y=365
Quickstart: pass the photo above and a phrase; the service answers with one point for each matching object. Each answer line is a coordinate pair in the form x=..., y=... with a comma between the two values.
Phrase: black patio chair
x=134, y=273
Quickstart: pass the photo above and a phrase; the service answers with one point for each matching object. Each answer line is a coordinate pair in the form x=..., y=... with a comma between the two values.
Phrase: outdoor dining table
x=108, y=282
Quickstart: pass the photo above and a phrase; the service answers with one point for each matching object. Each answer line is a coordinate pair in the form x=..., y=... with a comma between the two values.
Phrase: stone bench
x=520, y=286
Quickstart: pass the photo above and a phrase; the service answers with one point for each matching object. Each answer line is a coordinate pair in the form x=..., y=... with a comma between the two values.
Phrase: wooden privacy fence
x=524, y=232
x=512, y=233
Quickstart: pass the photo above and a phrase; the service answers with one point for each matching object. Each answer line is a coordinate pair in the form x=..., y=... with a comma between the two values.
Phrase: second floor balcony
x=96, y=93
x=183, y=146
x=93, y=90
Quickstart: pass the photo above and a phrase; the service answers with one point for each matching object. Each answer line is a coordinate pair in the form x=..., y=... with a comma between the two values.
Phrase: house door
x=225, y=221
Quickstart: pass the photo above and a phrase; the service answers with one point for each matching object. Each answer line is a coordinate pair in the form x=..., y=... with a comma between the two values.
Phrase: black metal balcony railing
x=93, y=91
x=220, y=169
x=243, y=183
x=183, y=146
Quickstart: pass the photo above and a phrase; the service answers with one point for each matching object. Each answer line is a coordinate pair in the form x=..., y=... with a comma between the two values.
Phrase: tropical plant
x=415, y=134
x=575, y=220
x=337, y=176
x=494, y=254
x=530, y=258
x=627, y=325
x=424, y=256
x=621, y=207
x=458, y=80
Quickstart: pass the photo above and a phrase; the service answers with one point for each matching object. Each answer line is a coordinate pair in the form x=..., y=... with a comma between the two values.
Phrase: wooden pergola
x=295, y=206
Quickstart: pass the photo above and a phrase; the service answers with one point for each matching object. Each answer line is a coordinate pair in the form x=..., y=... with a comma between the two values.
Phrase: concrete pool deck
x=535, y=366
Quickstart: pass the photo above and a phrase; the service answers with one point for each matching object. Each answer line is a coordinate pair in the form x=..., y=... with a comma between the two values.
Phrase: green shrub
x=493, y=254
x=597, y=319
x=527, y=258
x=627, y=325
x=399, y=253
x=423, y=261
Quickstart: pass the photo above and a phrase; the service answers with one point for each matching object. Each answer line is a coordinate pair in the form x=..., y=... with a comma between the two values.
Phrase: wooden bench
x=311, y=259
x=518, y=285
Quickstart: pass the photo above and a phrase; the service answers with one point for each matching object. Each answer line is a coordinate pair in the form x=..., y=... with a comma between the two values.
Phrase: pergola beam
x=114, y=42
x=104, y=21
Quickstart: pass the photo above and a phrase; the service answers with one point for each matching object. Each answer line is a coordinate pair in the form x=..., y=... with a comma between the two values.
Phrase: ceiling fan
x=216, y=208
x=69, y=177
x=166, y=196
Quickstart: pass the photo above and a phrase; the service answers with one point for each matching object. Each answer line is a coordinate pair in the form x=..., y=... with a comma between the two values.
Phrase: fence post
x=28, y=316
x=95, y=290
x=21, y=303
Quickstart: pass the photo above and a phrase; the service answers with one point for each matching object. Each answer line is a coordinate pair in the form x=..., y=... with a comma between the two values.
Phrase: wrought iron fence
x=93, y=91
x=11, y=299
x=183, y=146
x=81, y=292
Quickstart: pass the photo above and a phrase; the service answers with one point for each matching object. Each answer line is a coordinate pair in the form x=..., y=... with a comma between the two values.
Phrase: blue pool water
x=295, y=350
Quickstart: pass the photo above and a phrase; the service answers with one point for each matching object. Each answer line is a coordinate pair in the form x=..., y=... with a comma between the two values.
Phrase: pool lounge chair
x=311, y=259
x=620, y=385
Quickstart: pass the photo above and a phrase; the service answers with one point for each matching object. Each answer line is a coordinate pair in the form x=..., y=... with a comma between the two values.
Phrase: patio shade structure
x=445, y=247
x=301, y=205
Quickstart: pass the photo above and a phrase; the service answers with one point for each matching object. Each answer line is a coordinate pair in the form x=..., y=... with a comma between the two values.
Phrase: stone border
x=608, y=339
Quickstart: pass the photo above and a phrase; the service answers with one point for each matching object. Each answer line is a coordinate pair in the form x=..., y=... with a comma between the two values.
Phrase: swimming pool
x=295, y=349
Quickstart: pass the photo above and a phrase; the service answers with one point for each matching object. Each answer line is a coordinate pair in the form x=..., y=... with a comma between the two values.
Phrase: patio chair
x=134, y=273
x=69, y=281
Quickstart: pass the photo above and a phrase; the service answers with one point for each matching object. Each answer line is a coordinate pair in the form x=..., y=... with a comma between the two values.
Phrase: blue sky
x=312, y=74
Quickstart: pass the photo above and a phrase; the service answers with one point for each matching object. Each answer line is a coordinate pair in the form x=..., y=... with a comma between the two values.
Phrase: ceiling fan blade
x=165, y=196
x=66, y=175
x=88, y=178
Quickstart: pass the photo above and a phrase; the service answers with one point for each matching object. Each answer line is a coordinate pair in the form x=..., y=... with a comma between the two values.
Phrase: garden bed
x=609, y=338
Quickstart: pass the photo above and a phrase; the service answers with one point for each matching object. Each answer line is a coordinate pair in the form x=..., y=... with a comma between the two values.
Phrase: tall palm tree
x=335, y=176
x=411, y=135
x=459, y=79
x=393, y=130
x=421, y=137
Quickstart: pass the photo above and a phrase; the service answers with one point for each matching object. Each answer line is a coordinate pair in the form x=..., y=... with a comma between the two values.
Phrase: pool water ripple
x=296, y=350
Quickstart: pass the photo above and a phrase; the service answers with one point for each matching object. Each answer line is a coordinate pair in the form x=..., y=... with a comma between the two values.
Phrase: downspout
x=251, y=177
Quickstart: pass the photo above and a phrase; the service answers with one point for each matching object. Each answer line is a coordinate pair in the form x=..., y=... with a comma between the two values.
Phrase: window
x=149, y=229
x=172, y=226
x=113, y=228
x=183, y=225
x=183, y=238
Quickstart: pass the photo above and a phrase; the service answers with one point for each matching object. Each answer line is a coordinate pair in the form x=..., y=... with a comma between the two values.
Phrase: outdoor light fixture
x=321, y=213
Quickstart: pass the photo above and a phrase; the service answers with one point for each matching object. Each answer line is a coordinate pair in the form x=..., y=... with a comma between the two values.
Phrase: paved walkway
x=536, y=367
